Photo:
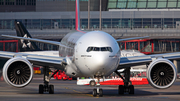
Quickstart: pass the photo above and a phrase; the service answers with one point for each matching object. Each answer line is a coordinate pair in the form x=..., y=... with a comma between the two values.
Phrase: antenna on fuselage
x=77, y=23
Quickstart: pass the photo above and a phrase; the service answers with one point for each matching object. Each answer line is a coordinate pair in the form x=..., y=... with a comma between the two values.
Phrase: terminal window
x=141, y=5
x=161, y=4
x=151, y=4
x=131, y=4
x=121, y=4
x=31, y=2
x=20, y=2
x=178, y=5
x=172, y=4
x=1, y=2
x=9, y=2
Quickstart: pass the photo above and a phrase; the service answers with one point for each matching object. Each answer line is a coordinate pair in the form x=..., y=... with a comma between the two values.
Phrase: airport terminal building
x=53, y=19
x=116, y=14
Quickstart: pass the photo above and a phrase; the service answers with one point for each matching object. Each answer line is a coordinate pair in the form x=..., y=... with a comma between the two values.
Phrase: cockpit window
x=96, y=49
x=109, y=49
x=103, y=49
x=99, y=49
x=90, y=49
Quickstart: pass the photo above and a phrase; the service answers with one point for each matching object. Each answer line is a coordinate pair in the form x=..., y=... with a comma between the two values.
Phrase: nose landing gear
x=97, y=90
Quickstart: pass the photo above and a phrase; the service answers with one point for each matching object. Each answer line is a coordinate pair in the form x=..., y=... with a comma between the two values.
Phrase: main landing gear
x=46, y=87
x=97, y=90
x=127, y=87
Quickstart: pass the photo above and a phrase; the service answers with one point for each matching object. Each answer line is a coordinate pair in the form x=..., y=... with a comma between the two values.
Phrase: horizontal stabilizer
x=132, y=38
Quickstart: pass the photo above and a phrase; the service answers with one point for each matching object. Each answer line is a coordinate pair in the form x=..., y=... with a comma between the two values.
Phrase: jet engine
x=18, y=72
x=161, y=73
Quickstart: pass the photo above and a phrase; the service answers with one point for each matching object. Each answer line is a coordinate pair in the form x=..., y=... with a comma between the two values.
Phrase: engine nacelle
x=70, y=71
x=18, y=72
x=161, y=73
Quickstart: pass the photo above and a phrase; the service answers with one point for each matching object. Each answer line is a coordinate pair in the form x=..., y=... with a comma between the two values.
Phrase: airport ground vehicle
x=61, y=75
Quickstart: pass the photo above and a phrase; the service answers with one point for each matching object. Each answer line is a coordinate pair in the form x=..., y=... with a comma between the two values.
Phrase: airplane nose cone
x=99, y=64
x=101, y=61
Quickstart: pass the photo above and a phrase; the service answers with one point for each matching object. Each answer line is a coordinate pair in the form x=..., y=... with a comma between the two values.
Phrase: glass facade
x=9, y=2
x=94, y=23
x=143, y=4
x=18, y=2
x=1, y=2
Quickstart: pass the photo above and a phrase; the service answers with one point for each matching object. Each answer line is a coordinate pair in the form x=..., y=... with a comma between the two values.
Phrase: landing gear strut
x=97, y=90
x=46, y=87
x=127, y=87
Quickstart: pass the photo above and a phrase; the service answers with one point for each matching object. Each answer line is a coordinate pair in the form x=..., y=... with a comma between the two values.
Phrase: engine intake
x=161, y=73
x=18, y=72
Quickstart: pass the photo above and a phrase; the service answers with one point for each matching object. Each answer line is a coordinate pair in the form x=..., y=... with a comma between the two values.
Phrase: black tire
x=41, y=89
x=51, y=89
x=92, y=83
x=94, y=92
x=131, y=89
x=100, y=92
x=121, y=90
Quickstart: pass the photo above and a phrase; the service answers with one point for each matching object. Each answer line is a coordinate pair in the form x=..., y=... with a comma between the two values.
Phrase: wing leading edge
x=126, y=39
x=41, y=60
x=36, y=40
x=145, y=59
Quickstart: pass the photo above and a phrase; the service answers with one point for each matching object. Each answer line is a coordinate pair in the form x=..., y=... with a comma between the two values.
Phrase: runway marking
x=80, y=92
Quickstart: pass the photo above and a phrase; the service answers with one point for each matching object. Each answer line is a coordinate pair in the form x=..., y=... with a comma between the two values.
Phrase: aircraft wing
x=126, y=39
x=36, y=40
x=41, y=60
x=145, y=59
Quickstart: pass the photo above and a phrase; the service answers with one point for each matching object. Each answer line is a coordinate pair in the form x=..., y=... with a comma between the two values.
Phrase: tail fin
x=24, y=45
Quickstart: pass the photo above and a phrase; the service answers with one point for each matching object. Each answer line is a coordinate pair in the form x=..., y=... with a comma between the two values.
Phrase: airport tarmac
x=69, y=91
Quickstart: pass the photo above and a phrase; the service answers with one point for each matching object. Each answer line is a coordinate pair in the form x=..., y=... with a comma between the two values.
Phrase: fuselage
x=94, y=53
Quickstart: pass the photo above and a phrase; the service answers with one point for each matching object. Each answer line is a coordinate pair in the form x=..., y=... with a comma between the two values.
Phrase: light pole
x=100, y=17
x=88, y=13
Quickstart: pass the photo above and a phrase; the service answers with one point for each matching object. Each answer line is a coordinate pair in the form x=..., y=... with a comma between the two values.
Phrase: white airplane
x=31, y=48
x=93, y=54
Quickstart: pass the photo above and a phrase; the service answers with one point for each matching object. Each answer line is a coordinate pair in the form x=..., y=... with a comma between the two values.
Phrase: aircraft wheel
x=41, y=89
x=121, y=90
x=131, y=89
x=92, y=83
x=94, y=92
x=51, y=89
x=100, y=92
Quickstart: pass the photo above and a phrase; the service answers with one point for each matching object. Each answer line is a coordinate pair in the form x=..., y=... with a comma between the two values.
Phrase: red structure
x=61, y=75
x=145, y=46
x=9, y=45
